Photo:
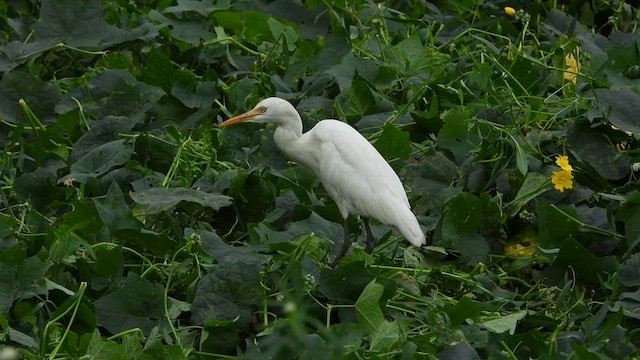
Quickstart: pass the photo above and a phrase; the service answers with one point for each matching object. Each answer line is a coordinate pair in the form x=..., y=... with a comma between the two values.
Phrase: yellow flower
x=524, y=243
x=563, y=162
x=509, y=11
x=562, y=180
x=572, y=68
x=519, y=250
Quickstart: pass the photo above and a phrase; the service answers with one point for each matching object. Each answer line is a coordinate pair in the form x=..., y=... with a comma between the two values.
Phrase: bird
x=353, y=172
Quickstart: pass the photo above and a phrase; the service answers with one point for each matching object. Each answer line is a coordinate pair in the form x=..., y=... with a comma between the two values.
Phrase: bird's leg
x=345, y=245
x=370, y=239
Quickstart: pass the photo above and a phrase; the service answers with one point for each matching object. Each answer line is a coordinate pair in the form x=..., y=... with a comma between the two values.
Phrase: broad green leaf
x=112, y=93
x=13, y=53
x=384, y=334
x=393, y=143
x=213, y=245
x=101, y=132
x=137, y=304
x=412, y=57
x=583, y=353
x=99, y=161
x=252, y=25
x=188, y=29
x=22, y=282
x=456, y=124
x=576, y=261
x=629, y=272
x=346, y=283
x=114, y=211
x=554, y=227
x=505, y=323
x=39, y=187
x=592, y=148
x=231, y=291
x=620, y=107
x=354, y=69
x=7, y=287
x=21, y=338
x=464, y=309
x=459, y=351
x=163, y=73
x=108, y=267
x=534, y=185
x=368, y=306
x=161, y=199
x=630, y=215
x=469, y=224
x=82, y=24
x=202, y=8
x=41, y=97
x=629, y=302
x=103, y=349
x=279, y=29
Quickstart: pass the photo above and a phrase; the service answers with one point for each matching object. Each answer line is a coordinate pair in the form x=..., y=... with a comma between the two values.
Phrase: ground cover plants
x=131, y=226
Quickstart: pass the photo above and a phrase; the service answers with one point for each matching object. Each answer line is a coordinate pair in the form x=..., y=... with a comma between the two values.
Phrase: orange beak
x=250, y=115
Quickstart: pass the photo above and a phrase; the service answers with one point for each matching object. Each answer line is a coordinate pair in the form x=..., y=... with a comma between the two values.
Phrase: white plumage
x=352, y=171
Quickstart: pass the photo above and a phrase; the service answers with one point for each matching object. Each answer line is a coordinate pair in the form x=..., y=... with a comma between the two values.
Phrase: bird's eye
x=262, y=109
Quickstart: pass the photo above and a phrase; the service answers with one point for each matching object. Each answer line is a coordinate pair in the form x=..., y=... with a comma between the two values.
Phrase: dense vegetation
x=131, y=226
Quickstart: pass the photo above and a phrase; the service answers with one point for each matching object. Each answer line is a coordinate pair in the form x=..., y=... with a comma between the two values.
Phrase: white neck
x=287, y=136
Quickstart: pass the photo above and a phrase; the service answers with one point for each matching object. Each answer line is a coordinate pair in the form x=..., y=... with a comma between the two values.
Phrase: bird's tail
x=407, y=224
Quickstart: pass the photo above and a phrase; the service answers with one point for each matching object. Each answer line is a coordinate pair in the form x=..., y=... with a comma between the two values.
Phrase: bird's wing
x=353, y=171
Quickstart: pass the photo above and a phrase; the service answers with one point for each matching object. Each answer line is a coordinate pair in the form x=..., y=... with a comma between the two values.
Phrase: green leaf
x=384, y=334
x=468, y=223
x=137, y=304
x=108, y=267
x=99, y=161
x=629, y=272
x=521, y=159
x=41, y=97
x=464, y=309
x=114, y=212
x=534, y=185
x=368, y=306
x=576, y=261
x=554, y=227
x=161, y=199
x=620, y=107
x=102, y=349
x=112, y=93
x=459, y=351
x=412, y=57
x=393, y=143
x=22, y=282
x=505, y=323
x=7, y=287
x=592, y=148
x=345, y=283
x=456, y=124
x=629, y=213
x=230, y=292
x=83, y=25
x=101, y=132
x=13, y=53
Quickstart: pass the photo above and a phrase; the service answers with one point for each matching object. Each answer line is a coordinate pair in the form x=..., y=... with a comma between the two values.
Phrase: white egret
x=352, y=171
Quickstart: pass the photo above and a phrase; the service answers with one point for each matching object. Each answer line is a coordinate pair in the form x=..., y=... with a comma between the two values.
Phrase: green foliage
x=132, y=227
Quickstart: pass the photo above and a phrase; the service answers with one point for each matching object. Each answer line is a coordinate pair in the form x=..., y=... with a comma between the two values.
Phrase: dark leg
x=370, y=240
x=345, y=245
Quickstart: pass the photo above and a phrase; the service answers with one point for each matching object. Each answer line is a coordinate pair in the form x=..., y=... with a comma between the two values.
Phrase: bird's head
x=269, y=110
